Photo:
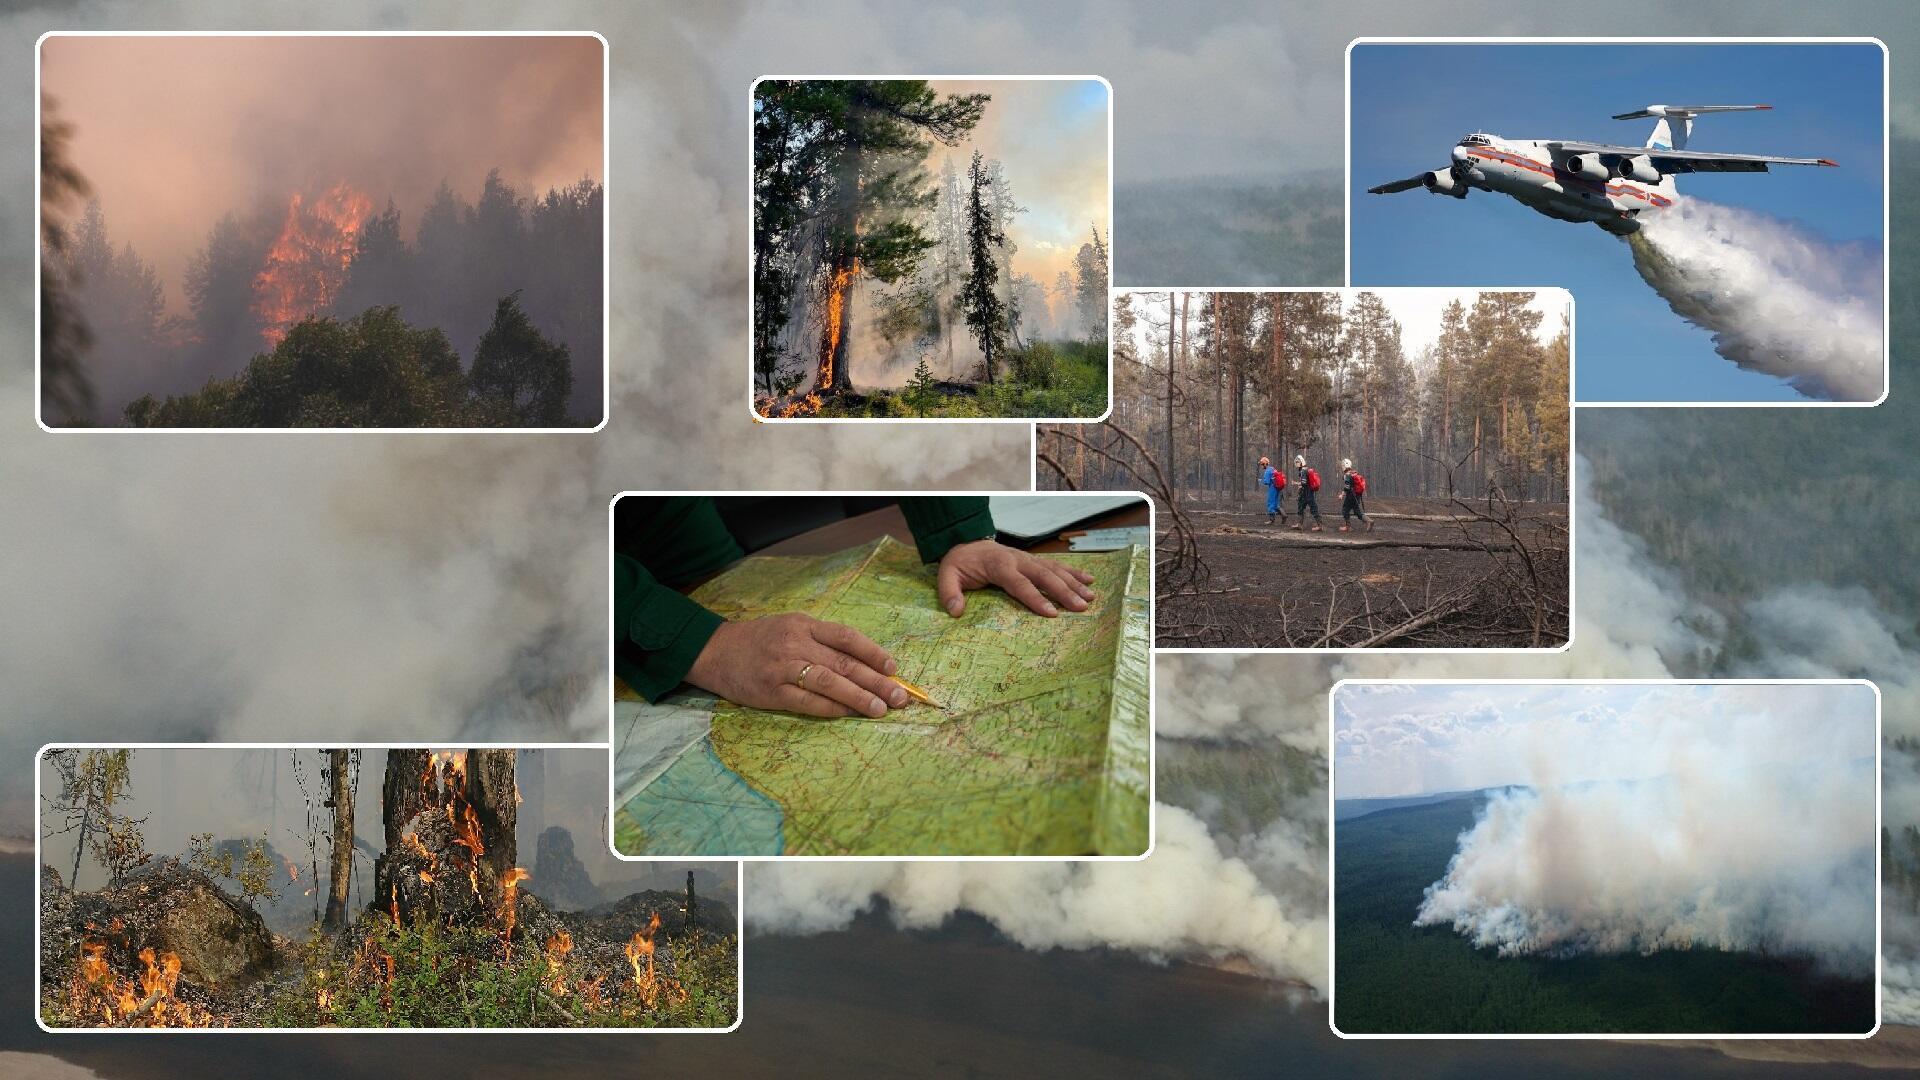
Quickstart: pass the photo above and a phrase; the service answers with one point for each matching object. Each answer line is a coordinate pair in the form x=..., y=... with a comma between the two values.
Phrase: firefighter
x=1305, y=502
x=1272, y=480
x=1353, y=488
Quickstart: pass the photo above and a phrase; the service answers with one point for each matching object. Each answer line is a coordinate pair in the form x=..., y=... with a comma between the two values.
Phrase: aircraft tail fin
x=1669, y=135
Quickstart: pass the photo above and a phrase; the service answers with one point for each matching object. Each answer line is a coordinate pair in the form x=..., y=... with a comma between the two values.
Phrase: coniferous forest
x=329, y=311
x=1463, y=444
x=888, y=273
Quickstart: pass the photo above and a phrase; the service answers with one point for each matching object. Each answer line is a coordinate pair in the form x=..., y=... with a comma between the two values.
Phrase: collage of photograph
x=1179, y=598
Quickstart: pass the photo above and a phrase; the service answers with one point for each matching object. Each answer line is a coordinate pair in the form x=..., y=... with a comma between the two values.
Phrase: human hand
x=1038, y=583
x=797, y=663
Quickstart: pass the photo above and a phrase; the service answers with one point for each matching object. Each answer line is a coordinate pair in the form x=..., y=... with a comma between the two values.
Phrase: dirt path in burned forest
x=1424, y=577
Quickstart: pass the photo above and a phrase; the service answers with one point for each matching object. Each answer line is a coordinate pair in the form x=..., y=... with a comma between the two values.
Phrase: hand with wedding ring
x=797, y=663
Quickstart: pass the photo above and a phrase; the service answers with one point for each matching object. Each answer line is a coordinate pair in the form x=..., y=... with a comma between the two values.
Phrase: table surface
x=889, y=521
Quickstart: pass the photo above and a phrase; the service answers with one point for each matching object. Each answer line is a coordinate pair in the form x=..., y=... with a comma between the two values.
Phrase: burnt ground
x=1426, y=576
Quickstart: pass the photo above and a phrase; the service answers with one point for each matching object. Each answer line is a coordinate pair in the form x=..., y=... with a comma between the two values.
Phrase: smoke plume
x=1190, y=900
x=1776, y=298
x=1759, y=841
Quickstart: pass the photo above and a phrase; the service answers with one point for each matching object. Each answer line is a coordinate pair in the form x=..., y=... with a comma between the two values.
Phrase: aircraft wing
x=1408, y=184
x=1685, y=161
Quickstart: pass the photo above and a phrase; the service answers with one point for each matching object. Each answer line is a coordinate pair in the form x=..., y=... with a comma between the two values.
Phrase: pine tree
x=920, y=392
x=980, y=294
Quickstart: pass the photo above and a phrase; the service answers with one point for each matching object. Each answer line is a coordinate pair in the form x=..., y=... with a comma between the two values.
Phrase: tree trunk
x=490, y=788
x=404, y=792
x=1173, y=481
x=340, y=869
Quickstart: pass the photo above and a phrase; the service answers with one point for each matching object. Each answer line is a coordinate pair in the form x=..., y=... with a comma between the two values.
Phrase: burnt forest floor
x=1421, y=578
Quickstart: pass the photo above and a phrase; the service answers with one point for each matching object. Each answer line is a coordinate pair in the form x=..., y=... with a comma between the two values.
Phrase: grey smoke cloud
x=1747, y=830
x=152, y=581
x=1189, y=899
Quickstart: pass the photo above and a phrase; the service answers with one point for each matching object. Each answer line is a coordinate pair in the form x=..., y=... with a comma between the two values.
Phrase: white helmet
x=1346, y=463
x=1300, y=461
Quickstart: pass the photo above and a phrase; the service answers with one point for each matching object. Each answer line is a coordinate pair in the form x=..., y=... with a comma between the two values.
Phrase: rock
x=559, y=876
x=222, y=943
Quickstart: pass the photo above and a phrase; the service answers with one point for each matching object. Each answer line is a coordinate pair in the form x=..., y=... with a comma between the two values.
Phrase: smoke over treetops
x=1647, y=817
x=231, y=123
x=255, y=182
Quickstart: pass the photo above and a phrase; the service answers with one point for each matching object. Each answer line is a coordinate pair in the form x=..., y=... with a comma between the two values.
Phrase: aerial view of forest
x=1593, y=858
x=364, y=246
x=930, y=249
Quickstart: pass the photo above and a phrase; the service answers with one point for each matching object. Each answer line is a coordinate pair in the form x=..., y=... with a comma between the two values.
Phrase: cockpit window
x=1476, y=139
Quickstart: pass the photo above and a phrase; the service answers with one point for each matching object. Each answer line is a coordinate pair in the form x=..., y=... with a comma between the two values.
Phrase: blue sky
x=1417, y=738
x=1411, y=103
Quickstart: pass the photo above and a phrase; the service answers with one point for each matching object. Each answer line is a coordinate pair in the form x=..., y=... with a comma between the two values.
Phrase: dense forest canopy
x=872, y=270
x=1208, y=382
x=323, y=313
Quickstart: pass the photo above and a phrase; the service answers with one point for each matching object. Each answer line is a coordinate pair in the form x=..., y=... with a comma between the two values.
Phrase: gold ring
x=801, y=681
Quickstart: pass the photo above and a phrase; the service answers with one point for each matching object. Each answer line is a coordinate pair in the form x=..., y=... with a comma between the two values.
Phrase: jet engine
x=1587, y=165
x=1637, y=168
x=1443, y=182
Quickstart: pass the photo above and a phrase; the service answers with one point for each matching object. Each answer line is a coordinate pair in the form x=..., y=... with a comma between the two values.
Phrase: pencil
x=916, y=693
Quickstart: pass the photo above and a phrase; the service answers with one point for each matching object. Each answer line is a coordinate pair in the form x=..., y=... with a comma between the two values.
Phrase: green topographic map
x=1043, y=748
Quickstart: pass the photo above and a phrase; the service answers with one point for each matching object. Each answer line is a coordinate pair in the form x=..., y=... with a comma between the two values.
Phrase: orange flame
x=510, y=904
x=558, y=946
x=836, y=321
x=640, y=954
x=308, y=261
x=121, y=1002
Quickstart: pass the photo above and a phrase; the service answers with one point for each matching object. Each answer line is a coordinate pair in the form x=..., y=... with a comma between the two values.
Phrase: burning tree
x=450, y=855
x=307, y=263
x=839, y=186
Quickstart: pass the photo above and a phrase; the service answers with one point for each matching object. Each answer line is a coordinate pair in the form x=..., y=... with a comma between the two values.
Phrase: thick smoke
x=378, y=588
x=1189, y=900
x=1753, y=840
x=1776, y=298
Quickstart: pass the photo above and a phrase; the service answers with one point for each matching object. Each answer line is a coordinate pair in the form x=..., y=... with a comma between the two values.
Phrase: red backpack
x=1313, y=480
x=1359, y=484
x=1279, y=480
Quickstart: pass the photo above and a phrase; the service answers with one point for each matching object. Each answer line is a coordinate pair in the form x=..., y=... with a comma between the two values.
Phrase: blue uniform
x=1273, y=493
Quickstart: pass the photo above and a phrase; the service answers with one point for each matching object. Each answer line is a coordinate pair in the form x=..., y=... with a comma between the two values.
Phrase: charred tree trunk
x=843, y=267
x=490, y=790
x=449, y=822
x=405, y=790
x=340, y=861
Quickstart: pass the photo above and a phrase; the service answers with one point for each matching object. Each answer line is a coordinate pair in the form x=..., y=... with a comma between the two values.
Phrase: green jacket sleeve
x=660, y=546
x=657, y=632
x=940, y=522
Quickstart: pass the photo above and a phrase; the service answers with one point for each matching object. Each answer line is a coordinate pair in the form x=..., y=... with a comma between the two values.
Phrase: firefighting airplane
x=1582, y=181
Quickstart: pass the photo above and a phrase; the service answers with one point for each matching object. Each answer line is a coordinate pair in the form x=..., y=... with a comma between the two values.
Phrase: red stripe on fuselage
x=1528, y=163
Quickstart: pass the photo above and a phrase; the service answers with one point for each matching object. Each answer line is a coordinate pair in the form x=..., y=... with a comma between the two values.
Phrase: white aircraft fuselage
x=1525, y=169
x=1607, y=184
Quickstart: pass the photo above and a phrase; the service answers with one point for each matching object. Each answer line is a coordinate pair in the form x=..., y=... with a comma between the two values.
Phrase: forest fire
x=834, y=327
x=122, y=1002
x=307, y=263
x=558, y=946
x=640, y=954
x=510, y=905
